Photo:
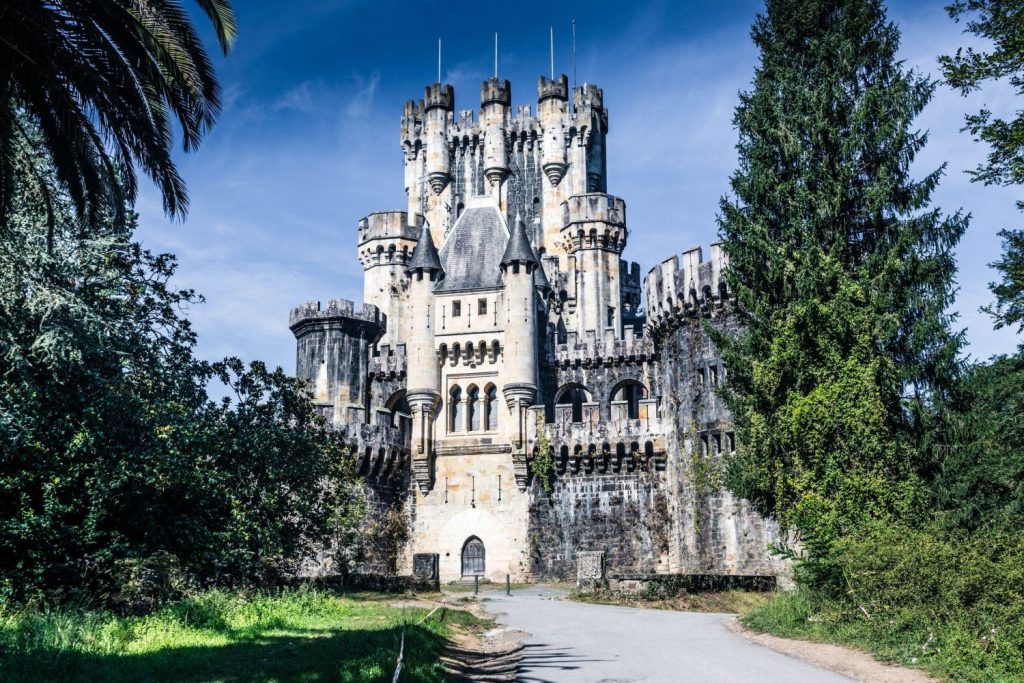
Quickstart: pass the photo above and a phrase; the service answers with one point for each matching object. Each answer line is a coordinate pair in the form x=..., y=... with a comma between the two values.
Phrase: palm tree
x=102, y=81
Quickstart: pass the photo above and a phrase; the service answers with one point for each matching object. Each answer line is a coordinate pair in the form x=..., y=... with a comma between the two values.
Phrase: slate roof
x=425, y=254
x=540, y=278
x=471, y=253
x=518, y=247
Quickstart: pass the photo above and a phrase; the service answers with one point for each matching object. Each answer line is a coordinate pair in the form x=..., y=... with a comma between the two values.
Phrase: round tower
x=594, y=235
x=424, y=381
x=495, y=102
x=438, y=105
x=588, y=104
x=552, y=104
x=518, y=265
x=386, y=244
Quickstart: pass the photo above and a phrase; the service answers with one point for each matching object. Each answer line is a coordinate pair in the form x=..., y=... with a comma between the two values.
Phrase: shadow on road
x=540, y=656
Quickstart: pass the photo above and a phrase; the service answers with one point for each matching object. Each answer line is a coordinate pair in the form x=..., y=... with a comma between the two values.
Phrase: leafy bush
x=944, y=599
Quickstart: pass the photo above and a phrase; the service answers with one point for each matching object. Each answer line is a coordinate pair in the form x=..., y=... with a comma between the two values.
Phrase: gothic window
x=473, y=408
x=481, y=307
x=491, y=408
x=456, y=309
x=455, y=414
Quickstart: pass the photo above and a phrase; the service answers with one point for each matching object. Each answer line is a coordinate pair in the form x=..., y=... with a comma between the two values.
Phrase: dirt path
x=846, y=661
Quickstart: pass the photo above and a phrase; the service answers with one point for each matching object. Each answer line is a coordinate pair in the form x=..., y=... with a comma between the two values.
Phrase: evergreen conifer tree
x=840, y=270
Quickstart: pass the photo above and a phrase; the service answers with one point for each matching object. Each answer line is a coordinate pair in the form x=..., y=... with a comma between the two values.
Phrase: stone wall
x=626, y=514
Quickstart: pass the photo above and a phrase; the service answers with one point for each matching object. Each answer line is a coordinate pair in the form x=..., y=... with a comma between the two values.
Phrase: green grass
x=297, y=635
x=952, y=649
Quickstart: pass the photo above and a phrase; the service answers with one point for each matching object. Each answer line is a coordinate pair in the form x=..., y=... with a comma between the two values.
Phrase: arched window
x=575, y=395
x=491, y=408
x=455, y=416
x=632, y=392
x=398, y=405
x=473, y=408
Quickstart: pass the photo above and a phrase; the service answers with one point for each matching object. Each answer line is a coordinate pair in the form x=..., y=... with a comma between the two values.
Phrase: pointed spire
x=424, y=256
x=518, y=248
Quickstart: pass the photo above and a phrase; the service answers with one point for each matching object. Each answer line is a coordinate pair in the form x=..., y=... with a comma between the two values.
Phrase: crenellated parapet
x=389, y=362
x=387, y=238
x=685, y=286
x=594, y=221
x=342, y=311
x=606, y=350
x=596, y=446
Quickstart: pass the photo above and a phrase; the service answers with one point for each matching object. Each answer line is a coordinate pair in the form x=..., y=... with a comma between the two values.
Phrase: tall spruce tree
x=840, y=270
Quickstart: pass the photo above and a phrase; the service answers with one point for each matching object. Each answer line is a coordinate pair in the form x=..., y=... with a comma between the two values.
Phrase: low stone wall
x=654, y=586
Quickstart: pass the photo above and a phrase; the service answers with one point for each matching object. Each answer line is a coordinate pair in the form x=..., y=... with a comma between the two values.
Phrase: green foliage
x=840, y=271
x=111, y=454
x=981, y=476
x=290, y=635
x=107, y=83
x=1001, y=24
x=943, y=600
x=543, y=463
x=1009, y=308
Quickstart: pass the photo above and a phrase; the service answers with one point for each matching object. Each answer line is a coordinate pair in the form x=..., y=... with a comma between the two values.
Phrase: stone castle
x=501, y=325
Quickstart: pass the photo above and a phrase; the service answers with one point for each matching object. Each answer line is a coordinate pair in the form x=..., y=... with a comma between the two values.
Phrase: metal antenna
x=495, y=55
x=438, y=60
x=574, y=54
x=552, y=53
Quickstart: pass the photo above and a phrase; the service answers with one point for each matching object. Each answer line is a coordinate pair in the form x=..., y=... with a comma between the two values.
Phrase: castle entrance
x=473, y=555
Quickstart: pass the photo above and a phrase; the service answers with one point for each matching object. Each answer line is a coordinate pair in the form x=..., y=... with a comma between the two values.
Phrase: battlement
x=389, y=225
x=493, y=91
x=553, y=89
x=389, y=362
x=438, y=96
x=685, y=285
x=587, y=96
x=336, y=309
x=595, y=207
x=629, y=273
x=605, y=349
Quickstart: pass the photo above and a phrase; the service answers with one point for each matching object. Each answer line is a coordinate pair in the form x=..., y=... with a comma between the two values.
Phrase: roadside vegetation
x=290, y=635
x=895, y=466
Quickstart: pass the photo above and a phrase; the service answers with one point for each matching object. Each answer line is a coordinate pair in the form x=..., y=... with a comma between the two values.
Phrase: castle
x=502, y=328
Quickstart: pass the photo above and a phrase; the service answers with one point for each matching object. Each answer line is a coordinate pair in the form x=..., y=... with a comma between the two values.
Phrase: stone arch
x=574, y=394
x=397, y=404
x=455, y=410
x=632, y=391
x=474, y=411
x=490, y=419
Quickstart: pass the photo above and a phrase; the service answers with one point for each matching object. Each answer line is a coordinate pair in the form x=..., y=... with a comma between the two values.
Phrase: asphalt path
x=572, y=641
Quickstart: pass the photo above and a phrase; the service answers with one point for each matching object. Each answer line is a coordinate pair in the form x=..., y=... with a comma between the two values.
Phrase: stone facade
x=499, y=317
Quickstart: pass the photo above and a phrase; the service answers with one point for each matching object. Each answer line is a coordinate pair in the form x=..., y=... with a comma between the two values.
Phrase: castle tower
x=594, y=235
x=423, y=393
x=592, y=119
x=386, y=243
x=518, y=264
x=332, y=355
x=495, y=102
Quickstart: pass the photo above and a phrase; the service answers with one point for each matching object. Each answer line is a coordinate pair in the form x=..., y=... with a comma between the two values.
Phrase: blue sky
x=308, y=141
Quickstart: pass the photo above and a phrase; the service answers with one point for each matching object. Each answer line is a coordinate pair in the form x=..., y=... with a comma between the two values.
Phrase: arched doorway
x=473, y=557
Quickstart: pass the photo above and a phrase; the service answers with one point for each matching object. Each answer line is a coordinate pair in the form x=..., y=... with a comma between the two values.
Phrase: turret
x=588, y=104
x=386, y=243
x=438, y=105
x=423, y=393
x=332, y=355
x=552, y=103
x=518, y=265
x=495, y=101
x=594, y=235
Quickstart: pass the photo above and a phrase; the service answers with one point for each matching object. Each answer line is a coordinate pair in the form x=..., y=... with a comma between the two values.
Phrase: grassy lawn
x=298, y=635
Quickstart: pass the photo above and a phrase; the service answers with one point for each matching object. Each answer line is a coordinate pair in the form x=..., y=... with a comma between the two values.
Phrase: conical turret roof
x=518, y=247
x=424, y=256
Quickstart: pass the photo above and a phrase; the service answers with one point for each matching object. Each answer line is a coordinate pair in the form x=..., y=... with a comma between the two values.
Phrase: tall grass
x=946, y=601
x=293, y=635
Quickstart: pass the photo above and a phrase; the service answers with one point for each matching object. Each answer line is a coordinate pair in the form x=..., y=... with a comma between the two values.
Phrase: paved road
x=572, y=641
